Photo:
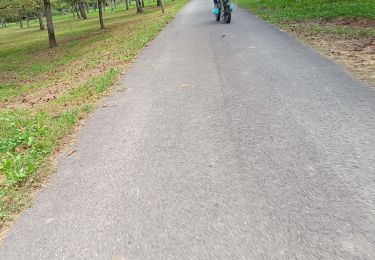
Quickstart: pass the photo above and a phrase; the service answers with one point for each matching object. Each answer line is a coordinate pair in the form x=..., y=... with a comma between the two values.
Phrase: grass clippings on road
x=44, y=93
x=342, y=30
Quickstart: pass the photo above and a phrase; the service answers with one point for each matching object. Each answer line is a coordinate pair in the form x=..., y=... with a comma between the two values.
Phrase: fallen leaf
x=71, y=152
x=184, y=85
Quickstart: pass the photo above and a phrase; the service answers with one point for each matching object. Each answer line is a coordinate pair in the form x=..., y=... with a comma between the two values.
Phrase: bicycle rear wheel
x=228, y=18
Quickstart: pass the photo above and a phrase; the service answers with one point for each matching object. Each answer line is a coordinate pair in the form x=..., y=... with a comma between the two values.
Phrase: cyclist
x=216, y=7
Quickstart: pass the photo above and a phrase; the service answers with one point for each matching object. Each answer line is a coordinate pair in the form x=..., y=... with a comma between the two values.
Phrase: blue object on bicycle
x=215, y=11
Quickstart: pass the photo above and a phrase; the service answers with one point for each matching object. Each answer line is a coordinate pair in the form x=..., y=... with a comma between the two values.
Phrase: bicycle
x=225, y=11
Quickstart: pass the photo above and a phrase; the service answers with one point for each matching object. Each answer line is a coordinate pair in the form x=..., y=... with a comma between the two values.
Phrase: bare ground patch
x=350, y=42
x=64, y=81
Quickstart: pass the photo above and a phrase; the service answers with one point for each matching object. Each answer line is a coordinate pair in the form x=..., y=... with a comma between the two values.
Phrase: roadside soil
x=350, y=42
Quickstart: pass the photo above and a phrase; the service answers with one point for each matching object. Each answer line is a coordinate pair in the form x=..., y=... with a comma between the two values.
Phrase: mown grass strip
x=283, y=10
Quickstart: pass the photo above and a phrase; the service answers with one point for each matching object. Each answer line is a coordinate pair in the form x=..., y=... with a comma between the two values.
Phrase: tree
x=17, y=10
x=113, y=4
x=51, y=30
x=139, y=6
x=75, y=7
x=78, y=7
x=100, y=7
x=87, y=7
x=162, y=6
x=126, y=5
x=3, y=22
x=39, y=13
x=82, y=10
x=40, y=18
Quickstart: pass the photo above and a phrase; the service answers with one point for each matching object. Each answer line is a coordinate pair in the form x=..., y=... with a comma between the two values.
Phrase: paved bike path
x=231, y=142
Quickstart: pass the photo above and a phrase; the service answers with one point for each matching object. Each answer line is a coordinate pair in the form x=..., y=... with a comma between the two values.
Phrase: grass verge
x=45, y=92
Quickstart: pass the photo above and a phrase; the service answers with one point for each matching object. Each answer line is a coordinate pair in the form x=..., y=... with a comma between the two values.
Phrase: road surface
x=231, y=142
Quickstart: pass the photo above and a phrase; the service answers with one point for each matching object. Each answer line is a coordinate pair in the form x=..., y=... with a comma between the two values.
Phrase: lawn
x=323, y=13
x=284, y=10
x=45, y=92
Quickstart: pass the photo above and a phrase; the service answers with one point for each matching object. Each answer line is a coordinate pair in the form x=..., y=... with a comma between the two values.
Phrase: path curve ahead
x=231, y=142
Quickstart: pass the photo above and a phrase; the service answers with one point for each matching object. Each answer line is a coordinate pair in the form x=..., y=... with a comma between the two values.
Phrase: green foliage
x=16, y=9
x=277, y=10
x=27, y=139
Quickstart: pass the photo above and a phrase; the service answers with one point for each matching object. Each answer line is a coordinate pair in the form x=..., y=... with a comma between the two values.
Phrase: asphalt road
x=231, y=142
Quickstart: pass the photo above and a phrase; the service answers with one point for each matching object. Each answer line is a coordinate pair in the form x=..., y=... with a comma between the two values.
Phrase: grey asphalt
x=231, y=142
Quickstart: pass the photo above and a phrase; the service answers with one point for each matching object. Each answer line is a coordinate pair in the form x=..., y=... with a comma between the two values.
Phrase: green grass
x=285, y=10
x=78, y=72
x=88, y=90
x=26, y=139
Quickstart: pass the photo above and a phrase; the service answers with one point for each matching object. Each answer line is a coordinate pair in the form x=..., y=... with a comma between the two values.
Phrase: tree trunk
x=100, y=7
x=40, y=17
x=73, y=11
x=82, y=10
x=114, y=1
x=158, y=3
x=51, y=31
x=87, y=8
x=143, y=3
x=21, y=24
x=162, y=6
x=139, y=6
x=76, y=9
